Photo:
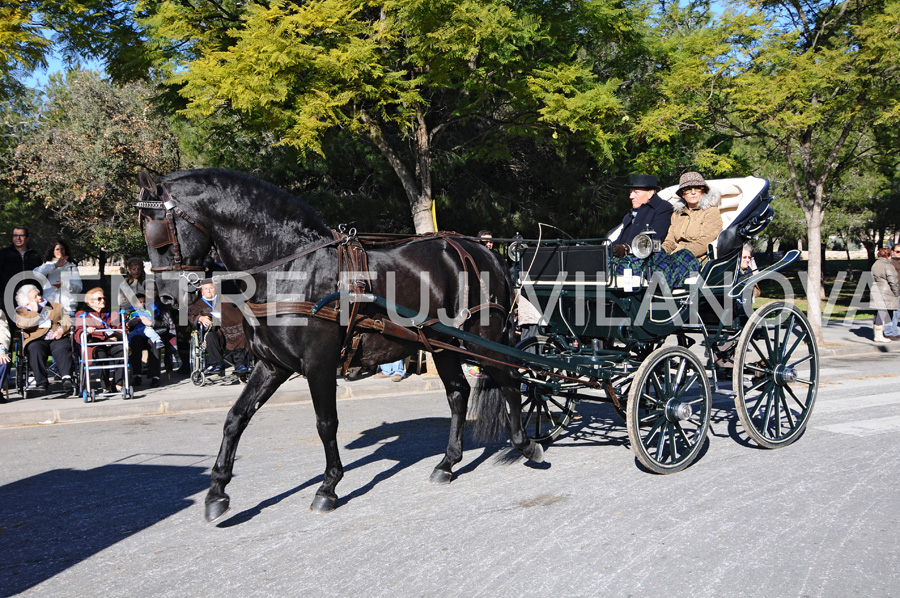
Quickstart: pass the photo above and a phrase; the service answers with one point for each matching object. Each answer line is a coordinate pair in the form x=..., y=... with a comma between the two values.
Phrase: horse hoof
x=323, y=504
x=216, y=508
x=537, y=453
x=439, y=476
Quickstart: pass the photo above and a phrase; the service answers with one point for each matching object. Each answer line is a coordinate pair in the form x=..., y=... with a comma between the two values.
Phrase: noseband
x=162, y=233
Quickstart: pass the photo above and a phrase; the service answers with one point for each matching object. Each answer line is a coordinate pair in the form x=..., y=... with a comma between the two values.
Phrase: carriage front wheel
x=668, y=409
x=547, y=403
x=776, y=373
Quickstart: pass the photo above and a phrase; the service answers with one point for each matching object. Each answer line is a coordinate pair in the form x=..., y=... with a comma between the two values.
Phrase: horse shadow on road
x=405, y=443
x=56, y=519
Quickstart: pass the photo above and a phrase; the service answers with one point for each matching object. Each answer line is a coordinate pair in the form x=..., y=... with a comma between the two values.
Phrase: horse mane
x=286, y=210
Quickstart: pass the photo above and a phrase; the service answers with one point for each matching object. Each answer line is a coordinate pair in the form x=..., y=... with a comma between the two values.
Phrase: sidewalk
x=180, y=395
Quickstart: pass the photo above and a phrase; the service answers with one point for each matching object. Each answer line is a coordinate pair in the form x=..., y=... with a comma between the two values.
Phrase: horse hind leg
x=498, y=405
x=262, y=383
x=449, y=368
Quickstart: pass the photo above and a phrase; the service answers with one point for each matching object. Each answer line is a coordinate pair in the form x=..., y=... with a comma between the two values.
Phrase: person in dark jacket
x=648, y=210
x=15, y=259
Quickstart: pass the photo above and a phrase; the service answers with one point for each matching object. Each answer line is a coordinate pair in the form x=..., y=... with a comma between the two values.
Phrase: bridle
x=162, y=233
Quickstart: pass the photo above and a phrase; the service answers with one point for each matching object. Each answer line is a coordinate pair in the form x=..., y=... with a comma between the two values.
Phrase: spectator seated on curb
x=4, y=357
x=139, y=321
x=395, y=371
x=224, y=327
x=97, y=324
x=45, y=326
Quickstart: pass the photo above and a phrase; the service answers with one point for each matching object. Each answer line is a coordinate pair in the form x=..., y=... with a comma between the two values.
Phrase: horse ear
x=146, y=181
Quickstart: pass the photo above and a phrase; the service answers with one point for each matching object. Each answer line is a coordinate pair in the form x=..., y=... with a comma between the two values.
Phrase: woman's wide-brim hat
x=691, y=179
x=642, y=181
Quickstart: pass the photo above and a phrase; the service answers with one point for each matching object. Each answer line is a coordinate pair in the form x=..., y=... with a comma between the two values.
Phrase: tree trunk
x=417, y=187
x=850, y=276
x=101, y=265
x=770, y=250
x=814, y=289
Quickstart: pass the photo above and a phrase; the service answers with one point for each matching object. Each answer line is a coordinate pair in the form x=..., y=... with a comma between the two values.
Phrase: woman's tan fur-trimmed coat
x=694, y=229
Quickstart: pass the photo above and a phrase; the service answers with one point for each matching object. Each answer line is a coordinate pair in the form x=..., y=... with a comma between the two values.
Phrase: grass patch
x=773, y=290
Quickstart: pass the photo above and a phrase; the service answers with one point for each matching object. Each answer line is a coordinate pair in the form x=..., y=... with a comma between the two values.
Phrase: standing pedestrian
x=15, y=259
x=884, y=294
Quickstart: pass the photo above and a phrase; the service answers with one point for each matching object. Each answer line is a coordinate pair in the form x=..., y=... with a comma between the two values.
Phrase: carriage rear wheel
x=668, y=409
x=776, y=373
x=547, y=402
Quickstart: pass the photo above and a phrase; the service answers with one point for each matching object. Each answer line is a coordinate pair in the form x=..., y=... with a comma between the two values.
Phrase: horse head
x=176, y=243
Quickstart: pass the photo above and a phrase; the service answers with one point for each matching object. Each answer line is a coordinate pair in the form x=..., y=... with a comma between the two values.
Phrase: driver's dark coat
x=657, y=213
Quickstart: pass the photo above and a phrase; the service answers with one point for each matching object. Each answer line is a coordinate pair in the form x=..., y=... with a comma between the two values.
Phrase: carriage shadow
x=598, y=424
x=56, y=519
x=404, y=443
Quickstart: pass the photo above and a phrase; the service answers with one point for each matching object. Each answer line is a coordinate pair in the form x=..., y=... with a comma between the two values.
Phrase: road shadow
x=405, y=443
x=52, y=521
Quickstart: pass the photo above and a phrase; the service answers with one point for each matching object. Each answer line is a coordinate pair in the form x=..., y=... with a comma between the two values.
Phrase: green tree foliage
x=412, y=78
x=810, y=83
x=81, y=158
x=102, y=30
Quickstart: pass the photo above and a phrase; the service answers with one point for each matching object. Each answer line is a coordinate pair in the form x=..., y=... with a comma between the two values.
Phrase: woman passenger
x=696, y=223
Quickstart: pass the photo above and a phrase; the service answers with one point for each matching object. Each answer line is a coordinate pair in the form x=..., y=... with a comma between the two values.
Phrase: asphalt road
x=115, y=508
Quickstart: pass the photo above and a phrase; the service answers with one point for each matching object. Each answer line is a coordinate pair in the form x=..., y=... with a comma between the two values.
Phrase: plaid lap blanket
x=674, y=267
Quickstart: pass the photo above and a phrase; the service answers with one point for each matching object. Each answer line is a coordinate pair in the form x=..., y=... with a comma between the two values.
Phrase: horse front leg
x=450, y=370
x=322, y=387
x=262, y=383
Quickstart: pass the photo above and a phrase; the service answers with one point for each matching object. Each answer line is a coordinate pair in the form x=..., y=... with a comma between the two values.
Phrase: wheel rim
x=546, y=409
x=776, y=375
x=668, y=410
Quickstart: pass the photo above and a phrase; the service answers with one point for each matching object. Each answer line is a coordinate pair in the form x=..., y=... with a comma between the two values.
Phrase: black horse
x=293, y=258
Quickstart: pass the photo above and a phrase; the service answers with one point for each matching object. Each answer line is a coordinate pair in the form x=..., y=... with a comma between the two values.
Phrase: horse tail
x=488, y=411
x=489, y=404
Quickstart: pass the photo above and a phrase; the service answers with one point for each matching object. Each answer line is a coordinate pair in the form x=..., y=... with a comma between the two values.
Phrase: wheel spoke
x=793, y=348
x=769, y=349
x=784, y=340
x=767, y=415
x=687, y=385
x=801, y=360
x=654, y=379
x=756, y=386
x=654, y=430
x=776, y=408
x=764, y=394
x=661, y=442
x=653, y=400
x=682, y=433
x=788, y=414
x=673, y=444
x=679, y=377
x=799, y=402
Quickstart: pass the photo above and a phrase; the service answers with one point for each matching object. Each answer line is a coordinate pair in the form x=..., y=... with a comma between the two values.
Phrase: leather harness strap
x=389, y=328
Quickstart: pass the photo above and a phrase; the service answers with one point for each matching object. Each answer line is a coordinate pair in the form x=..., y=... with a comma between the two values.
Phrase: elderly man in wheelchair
x=219, y=325
x=45, y=326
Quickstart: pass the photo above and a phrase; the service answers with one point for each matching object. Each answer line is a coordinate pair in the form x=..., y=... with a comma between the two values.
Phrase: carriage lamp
x=644, y=245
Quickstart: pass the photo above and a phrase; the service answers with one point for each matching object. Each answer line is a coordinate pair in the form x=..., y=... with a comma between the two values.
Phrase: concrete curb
x=182, y=396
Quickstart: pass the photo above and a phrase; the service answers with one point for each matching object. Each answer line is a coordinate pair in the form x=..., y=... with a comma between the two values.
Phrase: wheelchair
x=199, y=359
x=20, y=367
x=93, y=372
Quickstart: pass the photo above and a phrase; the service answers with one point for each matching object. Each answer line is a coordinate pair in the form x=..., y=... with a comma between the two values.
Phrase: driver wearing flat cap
x=648, y=211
